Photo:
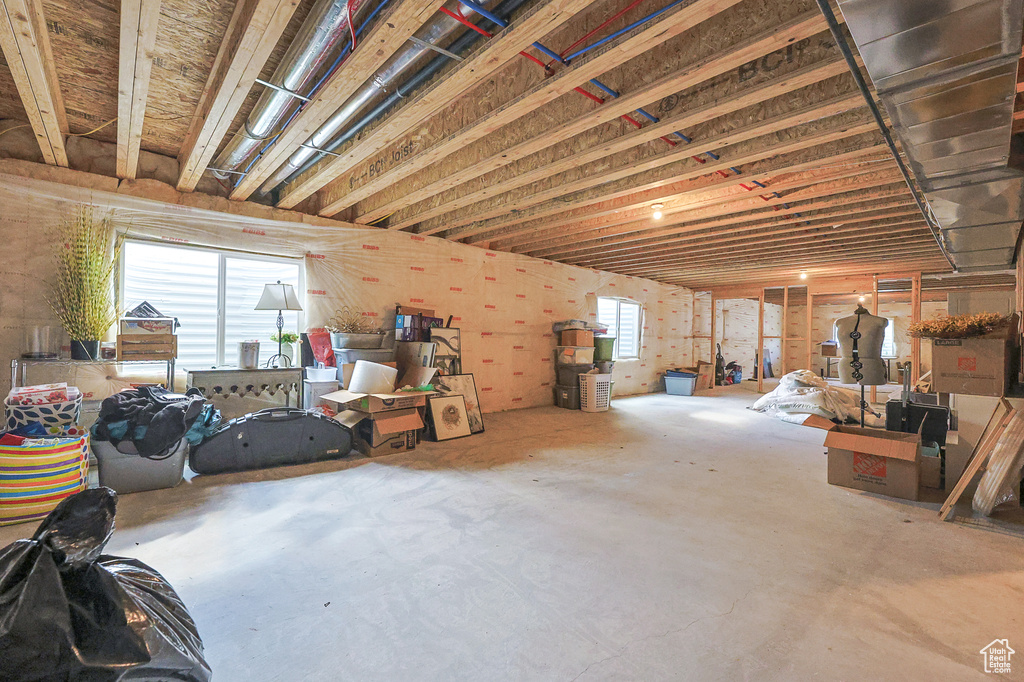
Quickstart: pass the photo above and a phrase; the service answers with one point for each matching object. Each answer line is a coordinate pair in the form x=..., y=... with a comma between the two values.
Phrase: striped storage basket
x=36, y=476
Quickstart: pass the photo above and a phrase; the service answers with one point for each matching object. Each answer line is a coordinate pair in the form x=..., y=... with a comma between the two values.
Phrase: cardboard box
x=978, y=366
x=382, y=434
x=377, y=402
x=875, y=461
x=577, y=337
x=147, y=325
x=406, y=328
x=872, y=460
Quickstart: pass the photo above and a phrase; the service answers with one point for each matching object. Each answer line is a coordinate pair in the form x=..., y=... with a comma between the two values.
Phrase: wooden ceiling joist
x=835, y=209
x=805, y=224
x=726, y=281
x=491, y=57
x=607, y=228
x=803, y=152
x=558, y=148
x=26, y=49
x=256, y=27
x=735, y=268
x=139, y=19
x=352, y=185
x=731, y=130
x=793, y=242
x=389, y=33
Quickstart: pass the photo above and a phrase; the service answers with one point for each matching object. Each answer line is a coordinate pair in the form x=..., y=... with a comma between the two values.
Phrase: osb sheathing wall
x=504, y=303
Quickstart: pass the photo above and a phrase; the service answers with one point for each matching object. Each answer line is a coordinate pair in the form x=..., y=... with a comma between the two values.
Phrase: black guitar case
x=268, y=438
x=719, y=367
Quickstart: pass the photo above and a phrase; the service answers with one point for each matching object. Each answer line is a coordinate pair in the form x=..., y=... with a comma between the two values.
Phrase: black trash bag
x=68, y=613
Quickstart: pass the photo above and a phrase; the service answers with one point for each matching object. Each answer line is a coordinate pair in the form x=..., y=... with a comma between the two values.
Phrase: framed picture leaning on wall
x=464, y=385
x=447, y=418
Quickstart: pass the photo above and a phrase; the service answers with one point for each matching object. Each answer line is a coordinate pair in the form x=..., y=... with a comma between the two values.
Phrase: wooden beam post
x=26, y=48
x=810, y=335
x=915, y=316
x=714, y=324
x=253, y=32
x=785, y=328
x=760, y=342
x=874, y=311
x=139, y=20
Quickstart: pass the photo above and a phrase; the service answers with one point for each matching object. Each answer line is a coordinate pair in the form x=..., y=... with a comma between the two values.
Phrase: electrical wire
x=94, y=130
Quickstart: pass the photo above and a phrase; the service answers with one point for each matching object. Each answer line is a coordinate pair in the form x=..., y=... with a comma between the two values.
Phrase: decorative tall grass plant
x=82, y=293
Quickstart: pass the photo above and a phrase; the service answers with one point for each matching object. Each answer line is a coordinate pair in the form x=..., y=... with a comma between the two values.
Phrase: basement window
x=889, y=349
x=212, y=293
x=623, y=319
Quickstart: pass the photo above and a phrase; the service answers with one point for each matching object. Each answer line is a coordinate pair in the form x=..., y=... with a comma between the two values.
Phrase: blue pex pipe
x=618, y=33
x=484, y=12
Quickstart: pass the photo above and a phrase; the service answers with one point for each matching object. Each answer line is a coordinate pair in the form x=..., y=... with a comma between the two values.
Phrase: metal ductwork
x=322, y=36
x=946, y=72
x=429, y=40
x=321, y=143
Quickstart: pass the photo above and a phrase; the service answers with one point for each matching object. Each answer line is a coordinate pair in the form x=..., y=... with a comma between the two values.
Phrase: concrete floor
x=672, y=538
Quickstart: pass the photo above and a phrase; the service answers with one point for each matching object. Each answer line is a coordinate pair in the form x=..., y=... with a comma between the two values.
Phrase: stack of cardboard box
x=381, y=423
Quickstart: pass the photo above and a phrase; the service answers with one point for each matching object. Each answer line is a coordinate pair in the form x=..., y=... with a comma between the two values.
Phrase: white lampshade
x=278, y=297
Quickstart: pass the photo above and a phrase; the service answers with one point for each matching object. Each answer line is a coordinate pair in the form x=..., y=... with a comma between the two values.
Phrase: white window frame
x=618, y=318
x=223, y=255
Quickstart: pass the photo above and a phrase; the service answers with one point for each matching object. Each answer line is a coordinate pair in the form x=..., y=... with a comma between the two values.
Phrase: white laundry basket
x=595, y=392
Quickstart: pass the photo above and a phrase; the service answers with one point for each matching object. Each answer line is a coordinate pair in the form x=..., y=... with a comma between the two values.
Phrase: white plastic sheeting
x=504, y=303
x=804, y=392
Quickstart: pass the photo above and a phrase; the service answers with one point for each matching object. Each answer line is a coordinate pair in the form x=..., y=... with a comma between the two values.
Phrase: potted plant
x=351, y=329
x=288, y=340
x=82, y=294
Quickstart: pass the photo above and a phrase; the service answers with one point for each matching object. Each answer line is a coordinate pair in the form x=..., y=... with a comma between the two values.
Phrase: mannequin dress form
x=860, y=343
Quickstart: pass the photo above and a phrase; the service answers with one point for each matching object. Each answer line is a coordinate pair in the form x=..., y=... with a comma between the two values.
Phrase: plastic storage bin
x=567, y=374
x=574, y=355
x=680, y=384
x=595, y=392
x=604, y=348
x=567, y=397
x=128, y=472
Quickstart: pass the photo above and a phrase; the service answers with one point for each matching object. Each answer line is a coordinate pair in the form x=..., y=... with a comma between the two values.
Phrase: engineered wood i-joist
x=388, y=34
x=800, y=149
x=721, y=272
x=639, y=243
x=898, y=235
x=504, y=46
x=26, y=49
x=782, y=225
x=855, y=173
x=565, y=146
x=788, y=233
x=255, y=28
x=609, y=169
x=349, y=187
x=728, y=277
x=608, y=229
x=139, y=19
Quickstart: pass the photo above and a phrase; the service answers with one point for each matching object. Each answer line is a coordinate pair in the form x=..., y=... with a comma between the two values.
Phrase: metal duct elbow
x=319, y=41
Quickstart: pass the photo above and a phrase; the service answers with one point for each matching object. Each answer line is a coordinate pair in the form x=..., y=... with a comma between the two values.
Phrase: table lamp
x=279, y=297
